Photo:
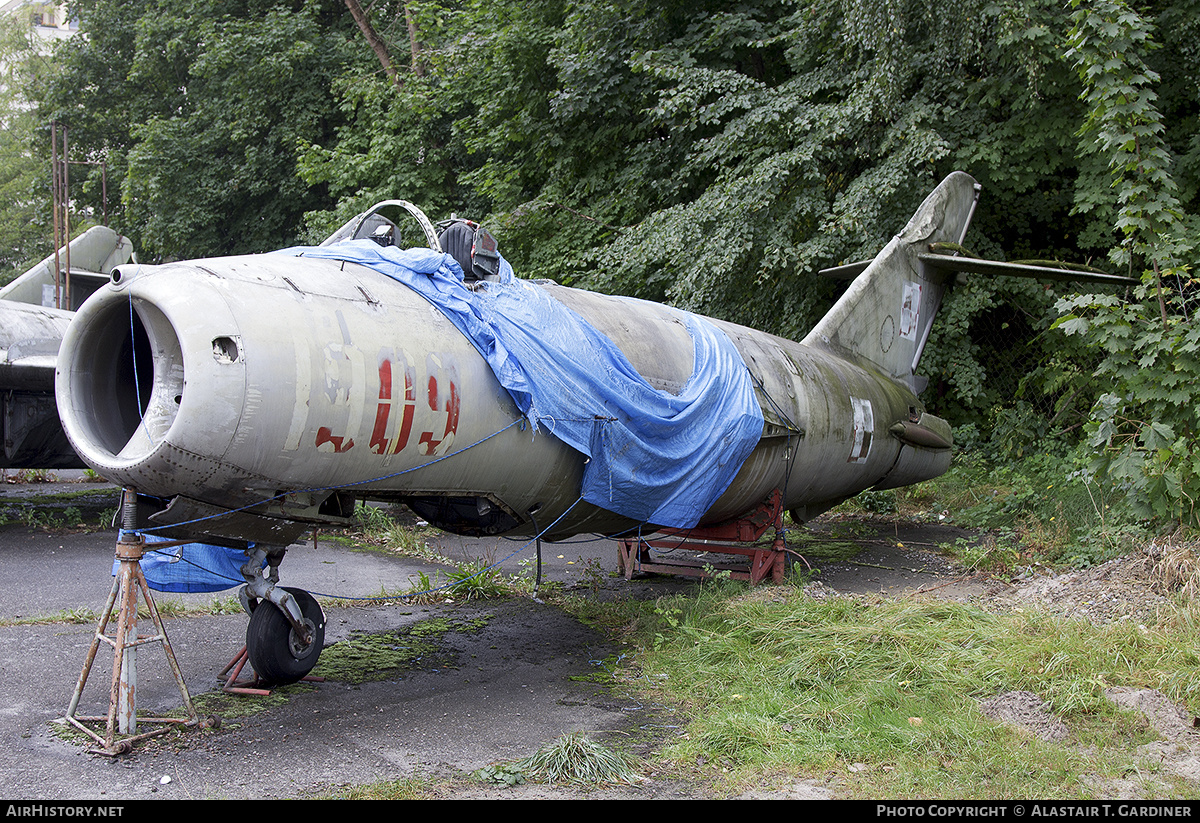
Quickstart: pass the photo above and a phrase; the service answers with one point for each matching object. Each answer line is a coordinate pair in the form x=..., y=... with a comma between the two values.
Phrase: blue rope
x=137, y=389
x=334, y=488
x=405, y=595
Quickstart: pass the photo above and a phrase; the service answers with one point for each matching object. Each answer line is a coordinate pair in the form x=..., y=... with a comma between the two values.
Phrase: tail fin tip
x=886, y=314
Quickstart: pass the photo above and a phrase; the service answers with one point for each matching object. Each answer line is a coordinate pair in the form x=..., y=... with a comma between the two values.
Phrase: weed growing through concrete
x=576, y=758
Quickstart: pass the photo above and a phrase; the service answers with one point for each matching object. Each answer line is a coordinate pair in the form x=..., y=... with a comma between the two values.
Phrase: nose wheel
x=279, y=653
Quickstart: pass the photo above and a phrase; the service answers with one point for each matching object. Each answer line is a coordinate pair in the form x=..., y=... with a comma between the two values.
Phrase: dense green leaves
x=711, y=154
x=198, y=109
x=1109, y=44
x=25, y=211
x=1144, y=431
x=715, y=154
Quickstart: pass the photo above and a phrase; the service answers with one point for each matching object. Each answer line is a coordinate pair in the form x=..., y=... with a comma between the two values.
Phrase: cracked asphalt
x=504, y=678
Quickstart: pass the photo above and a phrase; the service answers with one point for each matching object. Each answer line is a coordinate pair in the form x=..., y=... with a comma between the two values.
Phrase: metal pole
x=67, y=220
x=54, y=198
x=129, y=552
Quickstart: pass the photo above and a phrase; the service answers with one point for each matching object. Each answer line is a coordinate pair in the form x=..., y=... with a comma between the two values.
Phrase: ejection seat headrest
x=472, y=246
x=456, y=240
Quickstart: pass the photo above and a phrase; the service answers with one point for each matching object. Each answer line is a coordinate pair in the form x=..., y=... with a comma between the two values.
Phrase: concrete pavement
x=496, y=681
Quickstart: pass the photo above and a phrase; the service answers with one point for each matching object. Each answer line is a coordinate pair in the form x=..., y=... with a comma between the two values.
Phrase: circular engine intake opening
x=125, y=382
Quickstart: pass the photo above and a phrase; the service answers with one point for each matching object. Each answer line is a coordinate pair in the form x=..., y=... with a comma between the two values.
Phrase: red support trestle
x=735, y=537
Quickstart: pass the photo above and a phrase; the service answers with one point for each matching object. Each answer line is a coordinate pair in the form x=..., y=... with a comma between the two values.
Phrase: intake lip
x=121, y=381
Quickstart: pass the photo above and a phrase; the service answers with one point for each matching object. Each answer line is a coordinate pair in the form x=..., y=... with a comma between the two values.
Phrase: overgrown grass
x=574, y=758
x=480, y=579
x=409, y=788
x=1042, y=509
x=167, y=608
x=60, y=507
x=378, y=528
x=577, y=758
x=882, y=697
x=873, y=697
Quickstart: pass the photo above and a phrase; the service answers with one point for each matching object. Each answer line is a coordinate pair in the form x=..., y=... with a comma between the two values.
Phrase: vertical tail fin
x=886, y=314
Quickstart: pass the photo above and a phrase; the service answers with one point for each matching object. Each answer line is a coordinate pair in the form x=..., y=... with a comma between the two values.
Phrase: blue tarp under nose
x=189, y=568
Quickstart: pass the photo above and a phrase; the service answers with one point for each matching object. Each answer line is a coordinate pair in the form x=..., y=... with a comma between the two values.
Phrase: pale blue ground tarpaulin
x=190, y=568
x=655, y=457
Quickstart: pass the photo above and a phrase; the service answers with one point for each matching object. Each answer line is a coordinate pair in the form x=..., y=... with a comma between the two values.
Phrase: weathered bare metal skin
x=270, y=375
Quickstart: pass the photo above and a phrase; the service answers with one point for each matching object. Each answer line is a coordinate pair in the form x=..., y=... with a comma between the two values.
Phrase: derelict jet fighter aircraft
x=249, y=399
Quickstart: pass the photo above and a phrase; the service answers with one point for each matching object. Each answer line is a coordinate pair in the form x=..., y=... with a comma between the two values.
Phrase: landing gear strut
x=278, y=652
x=287, y=627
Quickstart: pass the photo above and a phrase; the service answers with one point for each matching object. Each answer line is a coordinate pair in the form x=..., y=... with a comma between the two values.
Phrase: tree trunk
x=414, y=44
x=374, y=40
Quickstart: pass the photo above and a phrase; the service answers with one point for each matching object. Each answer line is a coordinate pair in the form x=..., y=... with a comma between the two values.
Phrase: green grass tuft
x=886, y=694
x=576, y=758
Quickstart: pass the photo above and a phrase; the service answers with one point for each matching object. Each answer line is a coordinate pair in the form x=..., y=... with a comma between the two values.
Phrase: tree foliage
x=717, y=155
x=1144, y=430
x=25, y=212
x=712, y=154
x=197, y=109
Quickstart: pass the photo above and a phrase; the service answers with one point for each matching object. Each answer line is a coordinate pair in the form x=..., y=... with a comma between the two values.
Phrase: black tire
x=274, y=650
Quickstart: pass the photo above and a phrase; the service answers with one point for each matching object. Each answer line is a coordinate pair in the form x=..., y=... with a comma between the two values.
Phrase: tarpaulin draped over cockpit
x=655, y=457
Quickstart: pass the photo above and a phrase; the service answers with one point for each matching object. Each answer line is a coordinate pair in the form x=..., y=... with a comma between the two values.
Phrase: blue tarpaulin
x=190, y=568
x=655, y=457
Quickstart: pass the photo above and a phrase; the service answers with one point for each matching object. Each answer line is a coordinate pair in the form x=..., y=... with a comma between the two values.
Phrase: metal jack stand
x=122, y=709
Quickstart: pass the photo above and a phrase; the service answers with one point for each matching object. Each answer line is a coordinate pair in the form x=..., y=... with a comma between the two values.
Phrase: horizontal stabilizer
x=974, y=265
x=847, y=272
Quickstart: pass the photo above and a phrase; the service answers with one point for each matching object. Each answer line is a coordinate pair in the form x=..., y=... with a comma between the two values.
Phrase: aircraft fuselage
x=284, y=384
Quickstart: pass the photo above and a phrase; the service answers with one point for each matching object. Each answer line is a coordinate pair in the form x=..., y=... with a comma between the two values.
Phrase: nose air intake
x=125, y=382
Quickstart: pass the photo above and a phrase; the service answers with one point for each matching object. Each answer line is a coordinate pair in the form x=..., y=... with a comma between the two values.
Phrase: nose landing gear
x=280, y=651
x=287, y=627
